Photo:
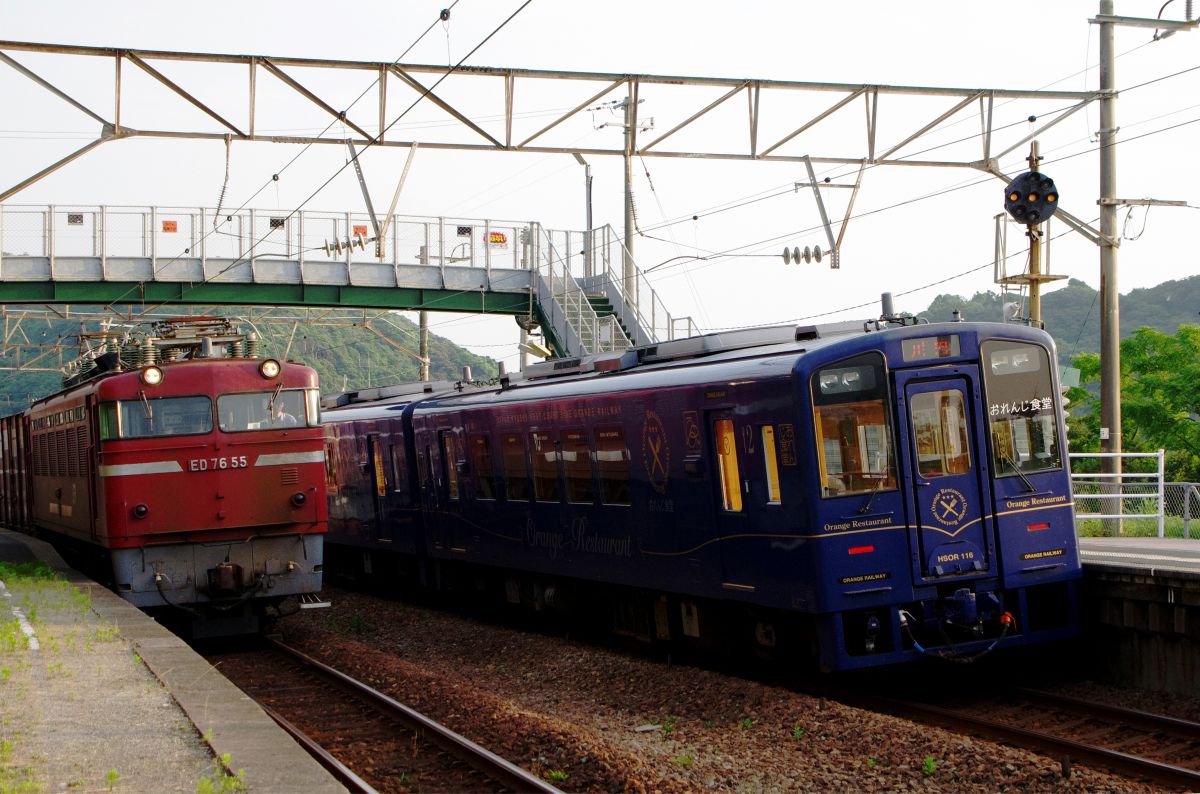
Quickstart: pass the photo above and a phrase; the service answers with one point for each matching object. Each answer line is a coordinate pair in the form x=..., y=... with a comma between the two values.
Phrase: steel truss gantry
x=468, y=128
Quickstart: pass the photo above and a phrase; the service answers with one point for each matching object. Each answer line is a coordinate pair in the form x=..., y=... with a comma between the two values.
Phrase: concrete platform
x=1141, y=611
x=96, y=696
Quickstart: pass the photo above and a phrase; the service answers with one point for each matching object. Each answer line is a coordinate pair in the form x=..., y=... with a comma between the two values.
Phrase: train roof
x=752, y=352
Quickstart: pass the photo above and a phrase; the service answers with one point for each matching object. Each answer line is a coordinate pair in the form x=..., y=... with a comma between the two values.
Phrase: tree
x=1160, y=399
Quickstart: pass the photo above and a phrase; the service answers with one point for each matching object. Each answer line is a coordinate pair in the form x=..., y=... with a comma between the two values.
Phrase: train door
x=377, y=484
x=954, y=526
x=451, y=489
x=731, y=518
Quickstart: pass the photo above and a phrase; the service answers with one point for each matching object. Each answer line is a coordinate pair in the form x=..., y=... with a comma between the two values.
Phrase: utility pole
x=587, y=201
x=1110, y=321
x=629, y=272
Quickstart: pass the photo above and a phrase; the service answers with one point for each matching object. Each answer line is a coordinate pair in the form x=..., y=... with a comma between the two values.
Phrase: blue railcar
x=863, y=493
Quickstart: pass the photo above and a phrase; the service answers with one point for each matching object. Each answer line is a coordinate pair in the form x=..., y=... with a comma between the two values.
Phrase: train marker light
x=152, y=376
x=298, y=499
x=269, y=368
x=861, y=549
x=141, y=511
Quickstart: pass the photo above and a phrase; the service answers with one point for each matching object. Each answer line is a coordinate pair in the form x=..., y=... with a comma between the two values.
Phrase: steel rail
x=343, y=773
x=1041, y=743
x=1143, y=719
x=502, y=771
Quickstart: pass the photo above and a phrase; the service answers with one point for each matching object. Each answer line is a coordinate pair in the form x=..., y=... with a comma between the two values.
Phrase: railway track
x=1139, y=744
x=367, y=740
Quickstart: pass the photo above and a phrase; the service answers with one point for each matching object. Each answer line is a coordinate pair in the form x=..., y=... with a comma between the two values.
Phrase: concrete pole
x=424, y=345
x=1035, y=254
x=628, y=272
x=1110, y=323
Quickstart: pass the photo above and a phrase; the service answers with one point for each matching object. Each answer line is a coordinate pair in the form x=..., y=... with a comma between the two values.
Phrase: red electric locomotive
x=196, y=470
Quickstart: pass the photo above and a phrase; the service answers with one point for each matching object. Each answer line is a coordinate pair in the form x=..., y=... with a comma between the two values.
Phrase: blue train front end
x=944, y=523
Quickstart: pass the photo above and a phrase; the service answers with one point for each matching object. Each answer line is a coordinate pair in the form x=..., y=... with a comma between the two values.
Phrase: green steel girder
x=399, y=298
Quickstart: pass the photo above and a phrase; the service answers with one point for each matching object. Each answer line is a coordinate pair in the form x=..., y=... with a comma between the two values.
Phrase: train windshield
x=854, y=434
x=1020, y=407
x=268, y=410
x=157, y=416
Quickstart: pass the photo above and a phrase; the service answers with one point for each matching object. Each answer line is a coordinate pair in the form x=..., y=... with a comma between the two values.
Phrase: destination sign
x=928, y=348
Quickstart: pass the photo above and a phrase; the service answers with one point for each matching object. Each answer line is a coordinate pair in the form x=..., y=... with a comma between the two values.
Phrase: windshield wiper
x=274, y=396
x=1021, y=474
x=871, y=496
x=146, y=405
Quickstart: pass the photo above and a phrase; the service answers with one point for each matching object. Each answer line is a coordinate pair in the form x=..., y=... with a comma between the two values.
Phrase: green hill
x=1072, y=314
x=345, y=358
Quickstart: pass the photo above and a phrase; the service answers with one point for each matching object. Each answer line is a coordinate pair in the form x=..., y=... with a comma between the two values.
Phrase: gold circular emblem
x=949, y=506
x=656, y=453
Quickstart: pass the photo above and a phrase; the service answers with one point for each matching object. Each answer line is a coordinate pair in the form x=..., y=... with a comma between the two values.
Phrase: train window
x=545, y=466
x=516, y=468
x=771, y=464
x=481, y=462
x=577, y=466
x=263, y=410
x=939, y=423
x=854, y=435
x=160, y=416
x=612, y=459
x=727, y=465
x=450, y=463
x=1021, y=407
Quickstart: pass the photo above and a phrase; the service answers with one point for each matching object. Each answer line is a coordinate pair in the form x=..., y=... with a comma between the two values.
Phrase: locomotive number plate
x=215, y=464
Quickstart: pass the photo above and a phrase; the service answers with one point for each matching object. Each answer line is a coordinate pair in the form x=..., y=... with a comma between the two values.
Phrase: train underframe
x=941, y=626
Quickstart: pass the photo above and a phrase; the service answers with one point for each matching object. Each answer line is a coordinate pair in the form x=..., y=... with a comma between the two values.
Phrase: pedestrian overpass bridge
x=569, y=282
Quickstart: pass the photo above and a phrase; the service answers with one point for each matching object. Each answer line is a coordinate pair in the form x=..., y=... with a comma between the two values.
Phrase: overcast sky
x=895, y=243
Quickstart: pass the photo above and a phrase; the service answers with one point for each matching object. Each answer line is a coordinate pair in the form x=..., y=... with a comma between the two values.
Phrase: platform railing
x=1109, y=494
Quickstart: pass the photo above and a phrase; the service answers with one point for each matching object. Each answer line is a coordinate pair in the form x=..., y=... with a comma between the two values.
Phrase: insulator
x=147, y=354
x=251, y=345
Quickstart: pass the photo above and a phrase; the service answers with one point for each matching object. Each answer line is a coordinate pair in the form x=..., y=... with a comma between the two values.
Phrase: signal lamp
x=152, y=376
x=141, y=511
x=298, y=499
x=1031, y=198
x=269, y=368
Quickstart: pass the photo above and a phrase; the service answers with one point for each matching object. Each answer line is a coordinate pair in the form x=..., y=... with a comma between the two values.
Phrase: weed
x=744, y=723
x=928, y=766
x=360, y=625
x=111, y=778
x=403, y=778
x=18, y=780
x=6, y=748
x=220, y=781
x=797, y=732
x=137, y=659
x=871, y=762
x=708, y=723
x=56, y=668
x=667, y=725
x=5, y=673
x=208, y=735
x=685, y=760
x=556, y=776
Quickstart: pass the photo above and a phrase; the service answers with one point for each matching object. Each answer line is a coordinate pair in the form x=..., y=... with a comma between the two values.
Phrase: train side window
x=481, y=463
x=853, y=429
x=516, y=468
x=771, y=464
x=1021, y=412
x=612, y=459
x=577, y=466
x=939, y=423
x=545, y=466
x=727, y=465
x=450, y=463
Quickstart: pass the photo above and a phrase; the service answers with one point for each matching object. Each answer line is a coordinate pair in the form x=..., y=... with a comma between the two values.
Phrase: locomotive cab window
x=854, y=434
x=1020, y=407
x=159, y=416
x=238, y=413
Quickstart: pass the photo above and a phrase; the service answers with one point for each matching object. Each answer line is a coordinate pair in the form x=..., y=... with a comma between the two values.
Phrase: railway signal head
x=1031, y=198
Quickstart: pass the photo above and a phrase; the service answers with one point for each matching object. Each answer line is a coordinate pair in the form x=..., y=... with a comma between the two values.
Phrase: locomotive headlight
x=269, y=368
x=152, y=376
